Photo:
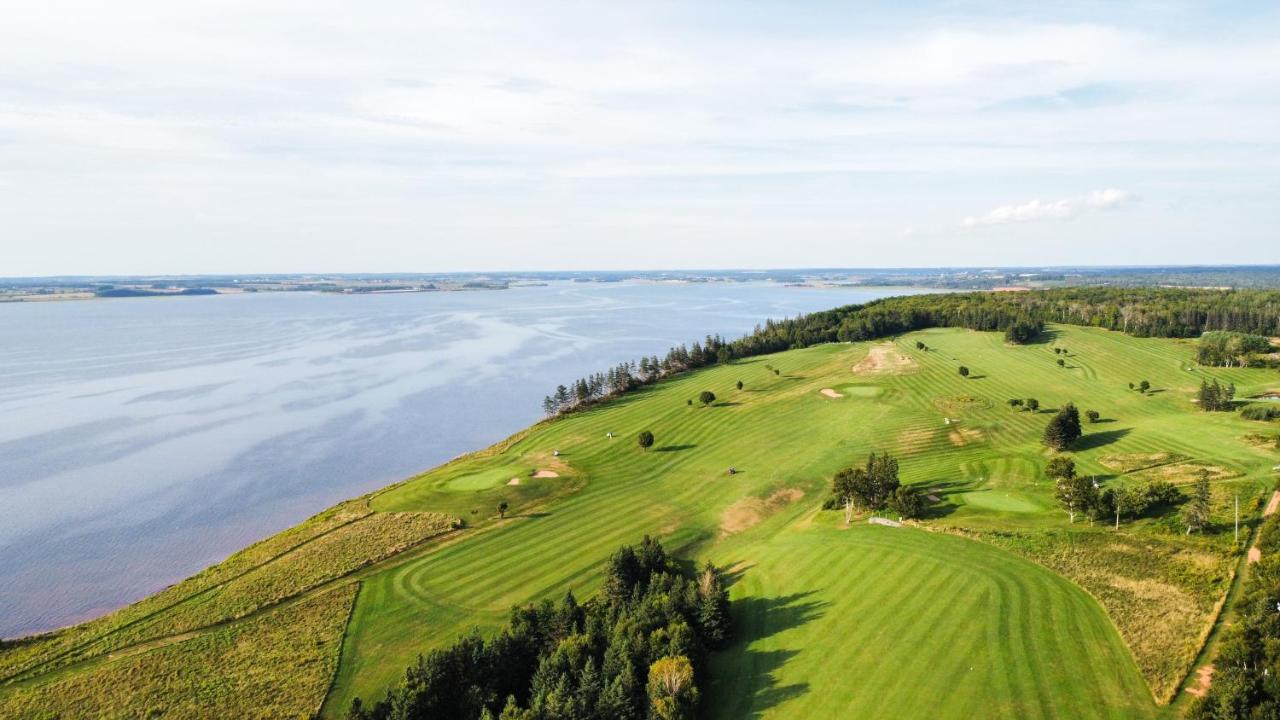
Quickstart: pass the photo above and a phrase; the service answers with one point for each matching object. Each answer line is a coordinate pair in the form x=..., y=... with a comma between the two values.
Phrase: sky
x=418, y=136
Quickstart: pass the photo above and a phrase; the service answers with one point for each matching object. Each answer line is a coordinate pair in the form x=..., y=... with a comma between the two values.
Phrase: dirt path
x=1204, y=673
x=1204, y=676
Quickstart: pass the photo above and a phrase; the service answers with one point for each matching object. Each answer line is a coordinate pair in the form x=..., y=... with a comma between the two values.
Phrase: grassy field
x=833, y=621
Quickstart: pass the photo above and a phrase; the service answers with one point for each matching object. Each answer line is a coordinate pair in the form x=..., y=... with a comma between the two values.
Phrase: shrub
x=1093, y=415
x=1264, y=413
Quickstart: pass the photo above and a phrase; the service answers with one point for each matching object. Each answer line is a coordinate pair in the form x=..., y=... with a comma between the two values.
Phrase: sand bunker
x=751, y=511
x=513, y=481
x=546, y=474
x=831, y=393
x=934, y=498
x=883, y=359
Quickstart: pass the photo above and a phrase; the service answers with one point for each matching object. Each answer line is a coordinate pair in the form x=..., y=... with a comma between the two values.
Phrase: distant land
x=78, y=287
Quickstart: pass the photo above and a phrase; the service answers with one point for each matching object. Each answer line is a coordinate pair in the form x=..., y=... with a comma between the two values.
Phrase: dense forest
x=1143, y=312
x=635, y=651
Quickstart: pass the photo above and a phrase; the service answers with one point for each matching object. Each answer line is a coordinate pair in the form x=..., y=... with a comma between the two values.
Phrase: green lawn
x=861, y=621
x=881, y=622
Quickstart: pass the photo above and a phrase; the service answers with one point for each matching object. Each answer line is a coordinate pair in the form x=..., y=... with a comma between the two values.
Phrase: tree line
x=1234, y=349
x=636, y=651
x=1142, y=312
x=1245, y=685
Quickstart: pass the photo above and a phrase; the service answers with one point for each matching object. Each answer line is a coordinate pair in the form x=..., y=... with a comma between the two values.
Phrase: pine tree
x=1064, y=428
x=713, y=607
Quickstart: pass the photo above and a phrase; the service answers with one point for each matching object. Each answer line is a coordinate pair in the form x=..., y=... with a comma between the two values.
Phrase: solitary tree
x=672, y=694
x=1033, y=404
x=644, y=439
x=706, y=397
x=964, y=371
x=1130, y=386
x=919, y=345
x=1064, y=428
x=1015, y=402
x=1057, y=351
x=1195, y=514
x=777, y=371
x=502, y=509
x=739, y=384
x=689, y=402
x=1062, y=363
x=1144, y=386
x=1093, y=415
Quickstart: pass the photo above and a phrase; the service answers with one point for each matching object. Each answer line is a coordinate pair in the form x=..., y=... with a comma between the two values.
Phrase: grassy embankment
x=832, y=621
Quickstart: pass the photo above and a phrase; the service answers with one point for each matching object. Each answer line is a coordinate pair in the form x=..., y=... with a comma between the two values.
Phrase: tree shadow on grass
x=725, y=403
x=674, y=448
x=941, y=490
x=1044, y=337
x=747, y=685
x=1098, y=439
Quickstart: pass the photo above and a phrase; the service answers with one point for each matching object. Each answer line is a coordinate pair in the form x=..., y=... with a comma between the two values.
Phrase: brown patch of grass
x=915, y=438
x=884, y=359
x=1129, y=462
x=1184, y=473
x=963, y=436
x=751, y=511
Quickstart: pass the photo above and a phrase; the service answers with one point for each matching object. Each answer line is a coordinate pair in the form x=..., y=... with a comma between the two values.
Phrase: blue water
x=144, y=439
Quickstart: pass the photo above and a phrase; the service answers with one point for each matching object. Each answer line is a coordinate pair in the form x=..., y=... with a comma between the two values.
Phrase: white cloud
x=235, y=124
x=1052, y=210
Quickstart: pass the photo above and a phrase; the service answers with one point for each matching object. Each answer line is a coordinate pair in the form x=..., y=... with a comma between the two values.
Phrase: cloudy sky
x=265, y=136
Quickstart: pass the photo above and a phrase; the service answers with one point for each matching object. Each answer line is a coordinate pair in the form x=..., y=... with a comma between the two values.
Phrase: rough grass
x=277, y=665
x=42, y=648
x=339, y=546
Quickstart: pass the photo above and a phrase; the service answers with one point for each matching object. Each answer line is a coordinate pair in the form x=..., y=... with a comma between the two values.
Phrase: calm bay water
x=142, y=440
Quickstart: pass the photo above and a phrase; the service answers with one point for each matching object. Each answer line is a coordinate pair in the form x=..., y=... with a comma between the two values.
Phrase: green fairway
x=1027, y=616
x=955, y=437
x=882, y=622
